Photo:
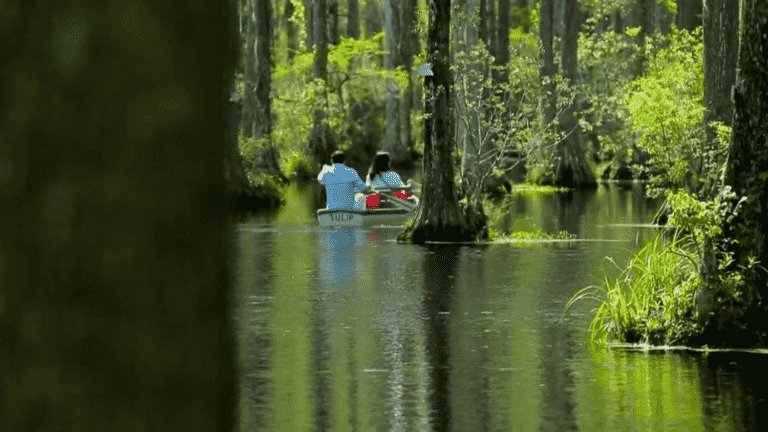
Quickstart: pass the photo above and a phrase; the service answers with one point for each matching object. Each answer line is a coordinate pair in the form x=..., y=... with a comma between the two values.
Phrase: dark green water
x=346, y=330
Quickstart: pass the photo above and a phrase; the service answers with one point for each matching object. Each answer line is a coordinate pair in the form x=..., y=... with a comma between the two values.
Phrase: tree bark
x=439, y=217
x=746, y=175
x=502, y=38
x=263, y=60
x=320, y=140
x=333, y=22
x=117, y=294
x=689, y=13
x=353, y=19
x=291, y=30
x=488, y=25
x=571, y=168
x=721, y=39
x=397, y=134
x=309, y=13
x=248, y=122
x=548, y=67
x=373, y=18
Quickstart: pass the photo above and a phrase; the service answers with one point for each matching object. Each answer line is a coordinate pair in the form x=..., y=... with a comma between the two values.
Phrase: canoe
x=369, y=217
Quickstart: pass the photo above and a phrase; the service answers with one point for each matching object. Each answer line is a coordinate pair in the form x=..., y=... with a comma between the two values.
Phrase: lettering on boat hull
x=341, y=217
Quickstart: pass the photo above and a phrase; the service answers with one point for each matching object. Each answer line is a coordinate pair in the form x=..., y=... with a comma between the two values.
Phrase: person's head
x=380, y=164
x=337, y=156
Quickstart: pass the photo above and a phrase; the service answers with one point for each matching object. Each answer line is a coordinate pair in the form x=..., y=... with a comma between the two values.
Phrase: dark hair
x=337, y=156
x=379, y=165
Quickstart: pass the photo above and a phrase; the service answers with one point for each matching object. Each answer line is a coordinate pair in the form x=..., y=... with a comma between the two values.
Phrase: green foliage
x=607, y=59
x=249, y=147
x=297, y=165
x=269, y=184
x=349, y=49
x=666, y=112
x=632, y=31
x=652, y=300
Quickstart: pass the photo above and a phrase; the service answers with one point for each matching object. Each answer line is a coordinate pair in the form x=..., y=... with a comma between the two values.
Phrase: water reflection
x=343, y=329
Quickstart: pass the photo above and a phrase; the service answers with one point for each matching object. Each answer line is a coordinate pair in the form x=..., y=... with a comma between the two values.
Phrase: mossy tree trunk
x=746, y=175
x=439, y=217
x=571, y=168
x=116, y=303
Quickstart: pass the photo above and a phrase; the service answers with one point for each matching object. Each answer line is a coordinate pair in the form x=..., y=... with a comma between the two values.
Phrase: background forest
x=564, y=91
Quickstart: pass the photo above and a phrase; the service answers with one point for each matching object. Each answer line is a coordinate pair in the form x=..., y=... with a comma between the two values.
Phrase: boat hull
x=370, y=217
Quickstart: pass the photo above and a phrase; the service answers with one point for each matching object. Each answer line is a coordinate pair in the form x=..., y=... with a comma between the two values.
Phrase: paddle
x=398, y=202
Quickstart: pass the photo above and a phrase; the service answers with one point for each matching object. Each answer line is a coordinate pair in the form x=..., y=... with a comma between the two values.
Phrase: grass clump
x=651, y=302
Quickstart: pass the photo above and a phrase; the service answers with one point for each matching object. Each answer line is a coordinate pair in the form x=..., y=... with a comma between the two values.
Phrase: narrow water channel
x=347, y=330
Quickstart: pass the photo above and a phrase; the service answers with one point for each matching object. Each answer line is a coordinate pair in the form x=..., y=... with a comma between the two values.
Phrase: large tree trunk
x=439, y=217
x=320, y=142
x=571, y=168
x=502, y=39
x=117, y=300
x=263, y=61
x=548, y=66
x=333, y=22
x=373, y=18
x=721, y=39
x=248, y=122
x=353, y=19
x=746, y=174
x=399, y=30
x=689, y=14
x=487, y=31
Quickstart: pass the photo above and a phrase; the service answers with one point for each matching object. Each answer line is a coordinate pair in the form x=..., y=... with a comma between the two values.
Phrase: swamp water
x=347, y=330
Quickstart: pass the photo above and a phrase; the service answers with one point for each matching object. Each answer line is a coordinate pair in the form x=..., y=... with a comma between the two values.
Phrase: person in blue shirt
x=341, y=182
x=380, y=176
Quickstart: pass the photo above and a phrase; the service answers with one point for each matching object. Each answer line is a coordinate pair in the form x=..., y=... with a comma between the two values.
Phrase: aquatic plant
x=651, y=302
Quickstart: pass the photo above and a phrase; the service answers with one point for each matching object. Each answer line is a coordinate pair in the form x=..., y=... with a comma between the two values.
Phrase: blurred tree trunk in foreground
x=115, y=307
x=744, y=323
